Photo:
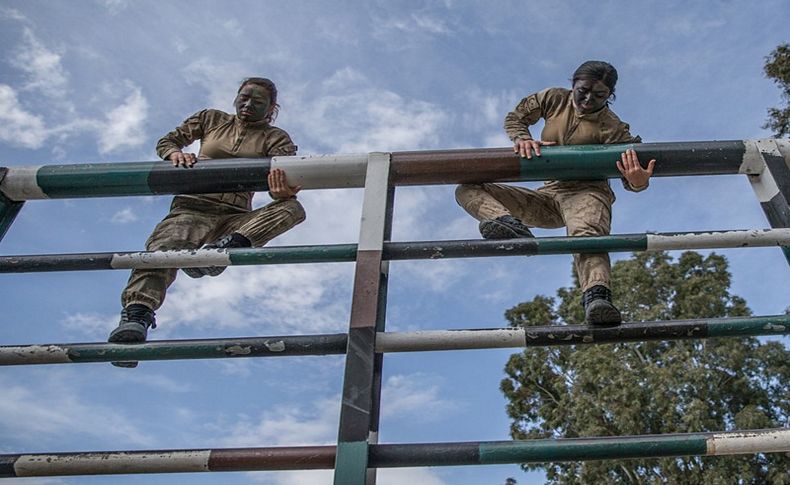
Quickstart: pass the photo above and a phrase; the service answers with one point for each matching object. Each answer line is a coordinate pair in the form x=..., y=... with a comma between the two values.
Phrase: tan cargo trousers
x=585, y=208
x=193, y=222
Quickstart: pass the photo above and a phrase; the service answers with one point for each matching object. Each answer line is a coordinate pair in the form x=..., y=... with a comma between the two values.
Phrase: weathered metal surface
x=396, y=251
x=398, y=455
x=330, y=344
x=359, y=379
x=570, y=162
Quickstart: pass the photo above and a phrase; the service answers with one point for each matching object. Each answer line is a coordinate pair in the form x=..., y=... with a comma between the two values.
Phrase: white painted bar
x=20, y=184
x=739, y=443
x=184, y=258
x=374, y=203
x=450, y=340
x=324, y=171
x=44, y=354
x=719, y=239
x=113, y=463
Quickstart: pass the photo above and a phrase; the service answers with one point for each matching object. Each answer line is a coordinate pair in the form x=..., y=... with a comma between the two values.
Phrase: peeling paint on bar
x=396, y=251
x=740, y=443
x=112, y=463
x=171, y=259
x=326, y=344
x=450, y=340
x=20, y=184
x=718, y=239
x=397, y=455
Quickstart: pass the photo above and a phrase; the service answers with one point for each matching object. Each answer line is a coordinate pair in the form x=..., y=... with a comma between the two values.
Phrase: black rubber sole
x=601, y=312
x=493, y=229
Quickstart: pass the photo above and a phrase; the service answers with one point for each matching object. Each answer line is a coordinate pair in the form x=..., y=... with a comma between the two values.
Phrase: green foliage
x=651, y=387
x=777, y=68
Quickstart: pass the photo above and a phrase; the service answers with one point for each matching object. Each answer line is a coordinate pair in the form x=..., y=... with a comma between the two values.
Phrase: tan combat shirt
x=564, y=125
x=225, y=136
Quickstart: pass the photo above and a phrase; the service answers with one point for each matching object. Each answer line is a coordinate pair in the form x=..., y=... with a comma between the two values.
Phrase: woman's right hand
x=186, y=160
x=524, y=148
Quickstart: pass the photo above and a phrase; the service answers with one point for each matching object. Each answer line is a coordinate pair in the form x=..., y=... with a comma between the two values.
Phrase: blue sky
x=101, y=81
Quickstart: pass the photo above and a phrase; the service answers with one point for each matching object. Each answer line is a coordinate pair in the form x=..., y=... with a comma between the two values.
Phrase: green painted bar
x=592, y=448
x=351, y=462
x=751, y=326
x=95, y=180
x=786, y=250
x=333, y=253
x=574, y=162
x=603, y=244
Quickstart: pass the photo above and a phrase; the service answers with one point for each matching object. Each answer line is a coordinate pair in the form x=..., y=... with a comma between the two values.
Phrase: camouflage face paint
x=589, y=96
x=253, y=103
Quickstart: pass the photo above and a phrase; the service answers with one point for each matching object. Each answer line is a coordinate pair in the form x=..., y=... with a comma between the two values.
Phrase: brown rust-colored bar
x=454, y=166
x=285, y=458
x=366, y=289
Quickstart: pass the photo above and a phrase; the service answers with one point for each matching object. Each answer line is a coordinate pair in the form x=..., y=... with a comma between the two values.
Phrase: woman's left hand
x=633, y=172
x=278, y=186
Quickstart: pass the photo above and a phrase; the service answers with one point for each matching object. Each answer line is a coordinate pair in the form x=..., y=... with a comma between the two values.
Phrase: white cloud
x=42, y=65
x=294, y=425
x=124, y=216
x=92, y=325
x=347, y=114
x=266, y=299
x=27, y=410
x=17, y=126
x=114, y=6
x=124, y=126
x=417, y=396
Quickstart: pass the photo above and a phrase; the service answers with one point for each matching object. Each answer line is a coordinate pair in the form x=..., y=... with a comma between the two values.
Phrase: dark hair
x=269, y=86
x=597, y=71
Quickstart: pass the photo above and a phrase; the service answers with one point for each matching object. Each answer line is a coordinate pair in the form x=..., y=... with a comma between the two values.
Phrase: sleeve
x=280, y=144
x=622, y=134
x=190, y=130
x=528, y=111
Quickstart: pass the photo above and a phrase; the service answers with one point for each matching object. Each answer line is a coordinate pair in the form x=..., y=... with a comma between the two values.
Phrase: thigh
x=535, y=208
x=181, y=230
x=587, y=212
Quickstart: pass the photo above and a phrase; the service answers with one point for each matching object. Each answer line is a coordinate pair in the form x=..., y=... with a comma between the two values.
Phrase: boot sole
x=603, y=315
x=492, y=229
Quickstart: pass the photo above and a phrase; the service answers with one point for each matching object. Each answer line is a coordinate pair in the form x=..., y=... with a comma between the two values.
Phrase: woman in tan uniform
x=579, y=116
x=223, y=220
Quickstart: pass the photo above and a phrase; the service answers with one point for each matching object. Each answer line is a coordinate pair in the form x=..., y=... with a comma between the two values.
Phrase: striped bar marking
x=396, y=251
x=399, y=455
x=569, y=162
x=331, y=344
x=575, y=162
x=275, y=346
x=207, y=176
x=323, y=172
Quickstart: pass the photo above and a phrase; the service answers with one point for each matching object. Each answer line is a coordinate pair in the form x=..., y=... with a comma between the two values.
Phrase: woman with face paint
x=223, y=220
x=579, y=116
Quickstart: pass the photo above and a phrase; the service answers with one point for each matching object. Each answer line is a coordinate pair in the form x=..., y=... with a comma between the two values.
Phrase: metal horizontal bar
x=326, y=344
x=158, y=177
x=570, y=162
x=396, y=251
x=397, y=455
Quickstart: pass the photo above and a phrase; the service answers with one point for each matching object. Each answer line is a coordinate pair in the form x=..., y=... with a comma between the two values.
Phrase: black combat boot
x=504, y=227
x=598, y=307
x=233, y=240
x=133, y=328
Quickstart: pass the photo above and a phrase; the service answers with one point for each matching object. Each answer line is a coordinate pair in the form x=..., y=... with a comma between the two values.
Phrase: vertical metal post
x=361, y=382
x=771, y=184
x=8, y=208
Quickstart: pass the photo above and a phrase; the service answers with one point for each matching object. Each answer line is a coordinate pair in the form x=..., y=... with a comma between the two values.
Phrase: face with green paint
x=253, y=103
x=589, y=95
